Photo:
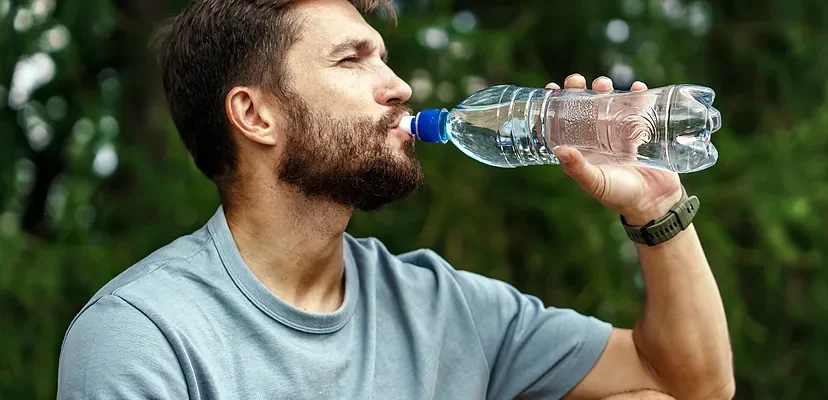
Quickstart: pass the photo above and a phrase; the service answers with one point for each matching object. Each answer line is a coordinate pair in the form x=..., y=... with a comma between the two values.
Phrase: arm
x=113, y=351
x=680, y=344
x=683, y=330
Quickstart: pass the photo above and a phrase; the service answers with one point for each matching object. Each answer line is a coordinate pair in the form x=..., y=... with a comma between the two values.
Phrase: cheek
x=349, y=92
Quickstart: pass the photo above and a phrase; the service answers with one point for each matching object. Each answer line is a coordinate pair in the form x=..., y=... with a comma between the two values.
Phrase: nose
x=393, y=89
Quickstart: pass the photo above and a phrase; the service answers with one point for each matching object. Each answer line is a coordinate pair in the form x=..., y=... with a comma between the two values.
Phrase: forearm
x=682, y=333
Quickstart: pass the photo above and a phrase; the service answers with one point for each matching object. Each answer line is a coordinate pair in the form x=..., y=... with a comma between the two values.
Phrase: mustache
x=390, y=118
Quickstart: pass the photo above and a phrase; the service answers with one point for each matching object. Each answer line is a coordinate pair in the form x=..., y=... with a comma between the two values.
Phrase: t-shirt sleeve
x=113, y=351
x=534, y=351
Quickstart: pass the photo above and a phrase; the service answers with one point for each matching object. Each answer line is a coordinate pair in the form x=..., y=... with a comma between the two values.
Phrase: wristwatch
x=667, y=227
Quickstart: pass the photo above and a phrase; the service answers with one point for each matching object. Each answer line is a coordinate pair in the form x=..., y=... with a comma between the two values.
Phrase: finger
x=638, y=86
x=602, y=84
x=588, y=176
x=575, y=81
x=553, y=85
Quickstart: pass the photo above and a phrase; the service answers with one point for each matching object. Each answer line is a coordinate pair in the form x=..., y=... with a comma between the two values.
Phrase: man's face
x=342, y=143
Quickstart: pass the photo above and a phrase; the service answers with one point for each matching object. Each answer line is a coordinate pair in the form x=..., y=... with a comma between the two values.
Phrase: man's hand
x=640, y=194
x=680, y=344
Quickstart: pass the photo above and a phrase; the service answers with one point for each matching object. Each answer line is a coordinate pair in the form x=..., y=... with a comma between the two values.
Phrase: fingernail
x=565, y=158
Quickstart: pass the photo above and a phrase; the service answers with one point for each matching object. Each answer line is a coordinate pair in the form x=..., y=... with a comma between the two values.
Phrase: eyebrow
x=358, y=45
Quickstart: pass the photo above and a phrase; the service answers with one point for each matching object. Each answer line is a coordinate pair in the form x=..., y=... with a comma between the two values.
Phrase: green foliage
x=67, y=227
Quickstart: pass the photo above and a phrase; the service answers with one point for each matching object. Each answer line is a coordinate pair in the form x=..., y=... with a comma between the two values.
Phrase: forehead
x=326, y=23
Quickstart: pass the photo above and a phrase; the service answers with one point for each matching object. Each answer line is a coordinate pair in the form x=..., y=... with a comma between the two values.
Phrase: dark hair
x=215, y=45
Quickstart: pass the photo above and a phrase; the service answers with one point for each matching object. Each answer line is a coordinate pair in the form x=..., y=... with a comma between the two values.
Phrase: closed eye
x=349, y=59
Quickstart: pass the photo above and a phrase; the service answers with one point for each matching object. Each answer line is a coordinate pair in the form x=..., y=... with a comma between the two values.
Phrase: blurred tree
x=93, y=176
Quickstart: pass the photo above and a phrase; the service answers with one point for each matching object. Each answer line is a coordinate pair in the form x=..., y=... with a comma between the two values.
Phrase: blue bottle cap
x=430, y=125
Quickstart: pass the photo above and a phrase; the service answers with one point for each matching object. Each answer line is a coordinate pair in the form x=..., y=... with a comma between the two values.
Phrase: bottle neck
x=430, y=125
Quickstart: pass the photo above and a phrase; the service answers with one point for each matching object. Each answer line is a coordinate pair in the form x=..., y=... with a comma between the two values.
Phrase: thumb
x=588, y=176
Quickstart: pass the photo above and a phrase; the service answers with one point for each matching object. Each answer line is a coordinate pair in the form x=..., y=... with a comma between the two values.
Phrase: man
x=289, y=107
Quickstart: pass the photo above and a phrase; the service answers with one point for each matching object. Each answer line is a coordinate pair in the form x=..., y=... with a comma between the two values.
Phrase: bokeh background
x=93, y=176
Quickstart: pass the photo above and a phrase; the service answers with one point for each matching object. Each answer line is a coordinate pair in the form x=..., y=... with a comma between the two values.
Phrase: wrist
x=653, y=211
x=654, y=226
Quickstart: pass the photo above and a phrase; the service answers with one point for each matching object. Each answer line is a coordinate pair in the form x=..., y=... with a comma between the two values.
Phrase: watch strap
x=667, y=227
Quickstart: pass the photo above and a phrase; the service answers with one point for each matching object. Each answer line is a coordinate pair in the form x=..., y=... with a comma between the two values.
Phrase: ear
x=249, y=111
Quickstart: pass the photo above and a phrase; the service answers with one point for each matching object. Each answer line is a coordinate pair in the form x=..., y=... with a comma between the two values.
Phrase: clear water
x=509, y=126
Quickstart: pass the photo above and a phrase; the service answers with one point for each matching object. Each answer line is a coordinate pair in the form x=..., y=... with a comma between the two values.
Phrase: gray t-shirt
x=192, y=321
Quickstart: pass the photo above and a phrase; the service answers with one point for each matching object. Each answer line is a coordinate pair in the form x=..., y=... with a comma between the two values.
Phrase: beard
x=347, y=160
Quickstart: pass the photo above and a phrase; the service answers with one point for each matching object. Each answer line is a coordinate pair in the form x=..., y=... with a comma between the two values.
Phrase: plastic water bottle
x=510, y=126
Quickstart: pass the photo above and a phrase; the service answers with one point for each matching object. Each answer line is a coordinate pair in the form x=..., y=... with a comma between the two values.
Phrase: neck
x=293, y=245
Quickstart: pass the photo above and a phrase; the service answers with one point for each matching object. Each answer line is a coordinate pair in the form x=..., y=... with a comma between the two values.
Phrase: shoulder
x=373, y=249
x=106, y=319
x=161, y=271
x=422, y=269
x=373, y=253
x=105, y=334
x=111, y=335
x=156, y=287
x=126, y=318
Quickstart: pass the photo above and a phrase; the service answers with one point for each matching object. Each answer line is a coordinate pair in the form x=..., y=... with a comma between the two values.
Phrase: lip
x=396, y=127
x=397, y=122
x=401, y=133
